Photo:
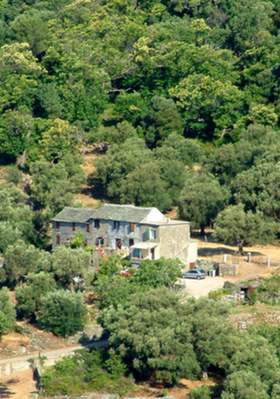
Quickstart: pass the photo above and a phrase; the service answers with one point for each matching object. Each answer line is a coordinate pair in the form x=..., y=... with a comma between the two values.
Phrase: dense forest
x=185, y=94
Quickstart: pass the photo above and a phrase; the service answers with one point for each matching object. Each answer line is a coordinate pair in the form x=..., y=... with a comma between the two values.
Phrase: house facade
x=139, y=233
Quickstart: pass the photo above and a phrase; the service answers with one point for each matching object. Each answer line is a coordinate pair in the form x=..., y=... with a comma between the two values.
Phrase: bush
x=217, y=294
x=202, y=392
x=84, y=372
x=63, y=312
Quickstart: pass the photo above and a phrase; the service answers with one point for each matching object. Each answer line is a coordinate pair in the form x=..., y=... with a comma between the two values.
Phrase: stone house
x=139, y=233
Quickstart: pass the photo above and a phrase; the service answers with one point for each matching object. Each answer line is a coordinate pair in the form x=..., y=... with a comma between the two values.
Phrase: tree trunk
x=202, y=229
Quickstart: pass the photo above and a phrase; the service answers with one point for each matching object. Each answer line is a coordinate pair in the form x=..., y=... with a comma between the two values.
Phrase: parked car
x=203, y=272
x=194, y=273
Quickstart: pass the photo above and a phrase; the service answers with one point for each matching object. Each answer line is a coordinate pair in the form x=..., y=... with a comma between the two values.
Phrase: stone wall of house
x=174, y=241
x=228, y=270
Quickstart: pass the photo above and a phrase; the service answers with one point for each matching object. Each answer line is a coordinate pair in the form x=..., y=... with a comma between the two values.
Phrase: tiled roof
x=127, y=213
x=78, y=215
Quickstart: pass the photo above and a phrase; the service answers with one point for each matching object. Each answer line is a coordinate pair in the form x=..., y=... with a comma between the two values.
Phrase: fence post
x=249, y=257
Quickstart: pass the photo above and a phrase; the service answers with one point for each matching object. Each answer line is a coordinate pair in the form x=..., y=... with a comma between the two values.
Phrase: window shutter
x=148, y=233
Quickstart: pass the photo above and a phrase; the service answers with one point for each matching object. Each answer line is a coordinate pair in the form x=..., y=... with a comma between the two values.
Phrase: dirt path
x=52, y=353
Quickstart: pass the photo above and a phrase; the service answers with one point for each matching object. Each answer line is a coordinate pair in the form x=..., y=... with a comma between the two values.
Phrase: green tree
x=31, y=29
x=29, y=296
x=4, y=324
x=8, y=236
x=12, y=175
x=233, y=225
x=211, y=107
x=113, y=290
x=7, y=309
x=257, y=188
x=187, y=151
x=78, y=241
x=16, y=213
x=63, y=312
x=68, y=263
x=255, y=355
x=158, y=273
x=215, y=340
x=19, y=260
x=59, y=140
x=144, y=186
x=161, y=120
x=152, y=336
x=16, y=130
x=112, y=266
x=244, y=385
x=120, y=133
x=54, y=185
x=201, y=199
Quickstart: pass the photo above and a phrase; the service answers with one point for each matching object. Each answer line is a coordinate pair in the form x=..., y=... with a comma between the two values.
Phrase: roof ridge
x=130, y=205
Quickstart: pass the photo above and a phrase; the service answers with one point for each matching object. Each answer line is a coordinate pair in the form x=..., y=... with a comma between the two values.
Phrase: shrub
x=217, y=294
x=84, y=372
x=202, y=392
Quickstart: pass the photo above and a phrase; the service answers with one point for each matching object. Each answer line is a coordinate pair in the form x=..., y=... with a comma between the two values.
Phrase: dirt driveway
x=199, y=288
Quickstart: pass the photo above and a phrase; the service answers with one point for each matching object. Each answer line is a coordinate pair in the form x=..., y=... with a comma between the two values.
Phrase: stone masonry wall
x=228, y=270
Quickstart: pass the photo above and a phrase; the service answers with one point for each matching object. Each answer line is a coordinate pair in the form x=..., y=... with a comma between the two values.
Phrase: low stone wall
x=228, y=270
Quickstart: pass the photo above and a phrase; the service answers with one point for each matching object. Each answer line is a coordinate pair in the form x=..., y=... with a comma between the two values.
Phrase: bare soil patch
x=89, y=159
x=86, y=200
x=260, y=253
x=20, y=385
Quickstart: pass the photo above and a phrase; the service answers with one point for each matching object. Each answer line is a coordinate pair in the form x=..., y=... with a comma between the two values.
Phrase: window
x=131, y=242
x=96, y=223
x=136, y=253
x=73, y=226
x=88, y=228
x=132, y=227
x=116, y=225
x=151, y=234
x=57, y=225
x=58, y=240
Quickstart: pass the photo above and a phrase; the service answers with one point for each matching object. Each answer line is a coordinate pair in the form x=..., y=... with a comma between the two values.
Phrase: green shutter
x=148, y=233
